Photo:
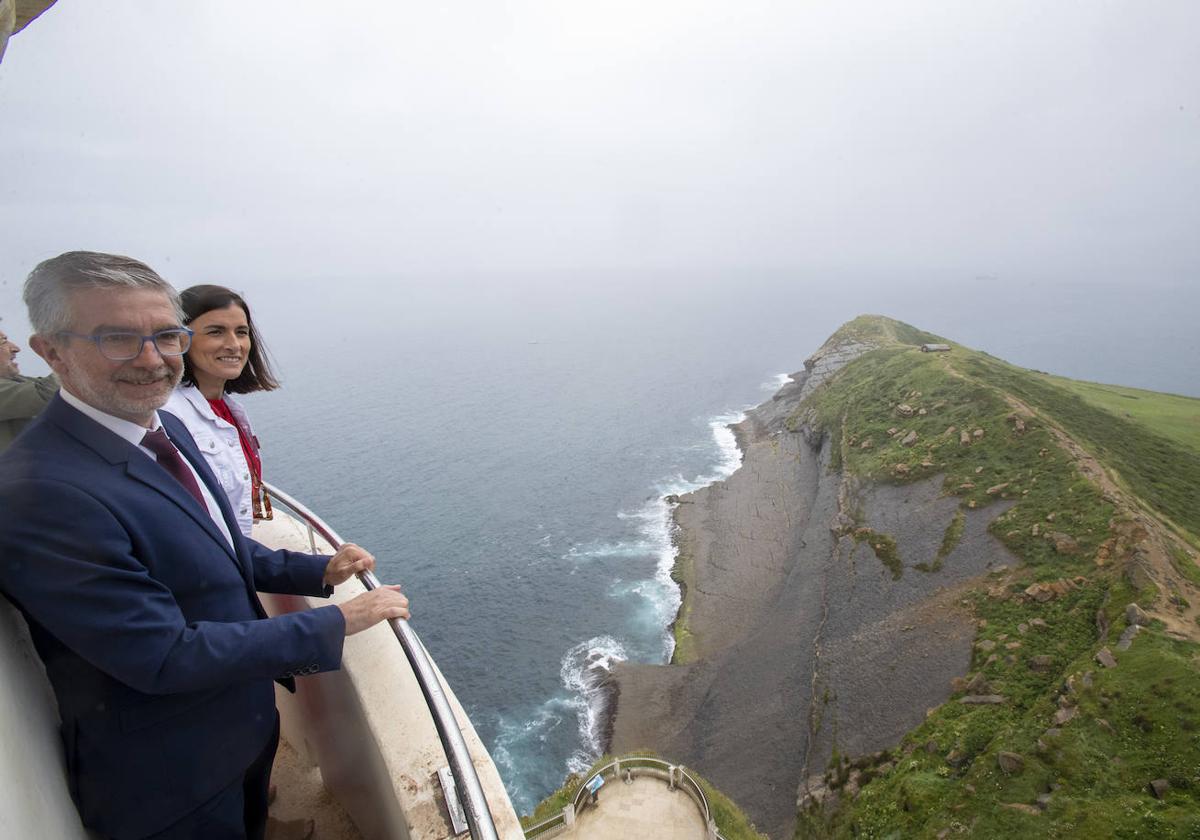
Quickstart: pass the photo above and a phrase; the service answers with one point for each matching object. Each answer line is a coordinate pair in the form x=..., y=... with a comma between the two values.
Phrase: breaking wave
x=585, y=671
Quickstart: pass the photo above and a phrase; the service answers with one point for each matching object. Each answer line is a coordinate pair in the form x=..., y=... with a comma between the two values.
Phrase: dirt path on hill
x=1139, y=537
x=1146, y=541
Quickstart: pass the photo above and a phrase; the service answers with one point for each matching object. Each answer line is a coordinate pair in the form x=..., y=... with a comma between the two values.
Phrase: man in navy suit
x=118, y=545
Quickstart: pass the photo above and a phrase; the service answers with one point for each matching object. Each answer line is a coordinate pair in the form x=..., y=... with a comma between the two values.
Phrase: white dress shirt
x=221, y=446
x=134, y=433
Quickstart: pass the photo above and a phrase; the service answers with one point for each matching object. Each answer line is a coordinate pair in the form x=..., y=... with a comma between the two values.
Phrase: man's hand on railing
x=349, y=561
x=370, y=608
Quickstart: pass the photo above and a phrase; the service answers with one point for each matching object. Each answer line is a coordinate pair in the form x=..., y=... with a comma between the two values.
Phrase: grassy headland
x=1174, y=417
x=1040, y=738
x=1078, y=716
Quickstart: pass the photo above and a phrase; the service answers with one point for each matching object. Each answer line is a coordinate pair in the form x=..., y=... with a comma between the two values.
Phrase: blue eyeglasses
x=123, y=346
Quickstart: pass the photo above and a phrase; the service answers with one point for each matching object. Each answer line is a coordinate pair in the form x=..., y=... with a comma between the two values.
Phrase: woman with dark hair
x=226, y=357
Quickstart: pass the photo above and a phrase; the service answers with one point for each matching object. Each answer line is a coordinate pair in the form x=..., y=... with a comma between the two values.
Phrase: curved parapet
x=34, y=800
x=368, y=726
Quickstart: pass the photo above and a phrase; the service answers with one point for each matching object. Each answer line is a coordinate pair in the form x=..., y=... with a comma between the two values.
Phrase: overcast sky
x=1032, y=141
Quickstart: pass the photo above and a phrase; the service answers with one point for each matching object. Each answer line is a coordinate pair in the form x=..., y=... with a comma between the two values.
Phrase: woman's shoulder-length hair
x=257, y=374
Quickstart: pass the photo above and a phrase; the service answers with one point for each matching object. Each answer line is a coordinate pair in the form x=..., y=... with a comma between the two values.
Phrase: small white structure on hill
x=935, y=348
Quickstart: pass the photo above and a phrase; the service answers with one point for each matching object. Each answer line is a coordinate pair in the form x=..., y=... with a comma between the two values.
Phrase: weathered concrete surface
x=801, y=633
x=368, y=727
x=645, y=808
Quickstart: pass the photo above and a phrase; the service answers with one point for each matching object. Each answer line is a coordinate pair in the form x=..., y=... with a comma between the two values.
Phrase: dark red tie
x=171, y=461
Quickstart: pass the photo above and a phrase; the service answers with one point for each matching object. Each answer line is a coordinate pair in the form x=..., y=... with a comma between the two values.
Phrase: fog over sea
x=504, y=453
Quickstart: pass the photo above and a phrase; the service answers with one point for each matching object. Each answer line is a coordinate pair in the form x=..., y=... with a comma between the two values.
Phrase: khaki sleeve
x=25, y=397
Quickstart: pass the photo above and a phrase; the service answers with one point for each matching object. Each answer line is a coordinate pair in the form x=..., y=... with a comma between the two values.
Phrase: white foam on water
x=602, y=550
x=586, y=666
x=584, y=670
x=525, y=738
x=731, y=453
x=779, y=380
x=656, y=524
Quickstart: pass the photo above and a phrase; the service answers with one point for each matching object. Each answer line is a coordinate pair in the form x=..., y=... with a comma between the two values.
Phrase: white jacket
x=219, y=442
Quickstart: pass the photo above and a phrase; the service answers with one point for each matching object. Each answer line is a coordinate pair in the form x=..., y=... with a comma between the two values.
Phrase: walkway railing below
x=676, y=777
x=466, y=780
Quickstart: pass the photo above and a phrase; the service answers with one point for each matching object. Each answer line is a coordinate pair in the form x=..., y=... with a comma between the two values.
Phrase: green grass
x=1097, y=773
x=885, y=548
x=1185, y=565
x=1150, y=702
x=561, y=798
x=862, y=404
x=1161, y=471
x=879, y=329
x=1169, y=415
x=951, y=539
x=685, y=640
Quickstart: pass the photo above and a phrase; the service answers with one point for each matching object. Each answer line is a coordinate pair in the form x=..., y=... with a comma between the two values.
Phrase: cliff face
x=942, y=595
x=800, y=635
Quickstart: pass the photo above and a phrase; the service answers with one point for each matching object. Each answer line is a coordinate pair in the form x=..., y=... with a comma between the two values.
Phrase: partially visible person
x=21, y=397
x=226, y=357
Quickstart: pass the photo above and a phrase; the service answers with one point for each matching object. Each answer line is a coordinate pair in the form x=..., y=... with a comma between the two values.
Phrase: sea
x=504, y=447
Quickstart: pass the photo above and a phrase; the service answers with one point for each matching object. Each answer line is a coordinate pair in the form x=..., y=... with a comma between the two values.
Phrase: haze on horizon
x=558, y=152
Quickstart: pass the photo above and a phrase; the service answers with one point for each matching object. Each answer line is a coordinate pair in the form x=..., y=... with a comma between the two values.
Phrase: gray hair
x=49, y=286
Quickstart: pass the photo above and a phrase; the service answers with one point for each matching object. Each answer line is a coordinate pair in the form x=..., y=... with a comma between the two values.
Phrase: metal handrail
x=545, y=825
x=479, y=816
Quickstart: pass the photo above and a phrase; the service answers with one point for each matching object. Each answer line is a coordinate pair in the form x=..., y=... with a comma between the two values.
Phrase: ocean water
x=505, y=455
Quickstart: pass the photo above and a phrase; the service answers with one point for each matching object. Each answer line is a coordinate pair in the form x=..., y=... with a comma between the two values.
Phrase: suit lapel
x=143, y=468
x=187, y=447
x=183, y=441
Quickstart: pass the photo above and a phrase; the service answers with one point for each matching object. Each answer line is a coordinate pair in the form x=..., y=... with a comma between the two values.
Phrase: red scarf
x=250, y=450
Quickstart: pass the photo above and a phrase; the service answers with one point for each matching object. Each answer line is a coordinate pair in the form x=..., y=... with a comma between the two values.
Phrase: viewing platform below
x=644, y=807
x=634, y=796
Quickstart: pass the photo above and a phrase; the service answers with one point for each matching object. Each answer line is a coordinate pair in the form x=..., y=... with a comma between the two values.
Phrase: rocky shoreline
x=799, y=639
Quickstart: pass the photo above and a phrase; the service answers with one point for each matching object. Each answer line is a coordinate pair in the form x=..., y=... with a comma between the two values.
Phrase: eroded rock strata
x=801, y=637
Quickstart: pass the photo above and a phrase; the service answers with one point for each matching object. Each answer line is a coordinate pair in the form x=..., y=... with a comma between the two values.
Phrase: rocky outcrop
x=803, y=633
x=1135, y=615
x=1011, y=763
